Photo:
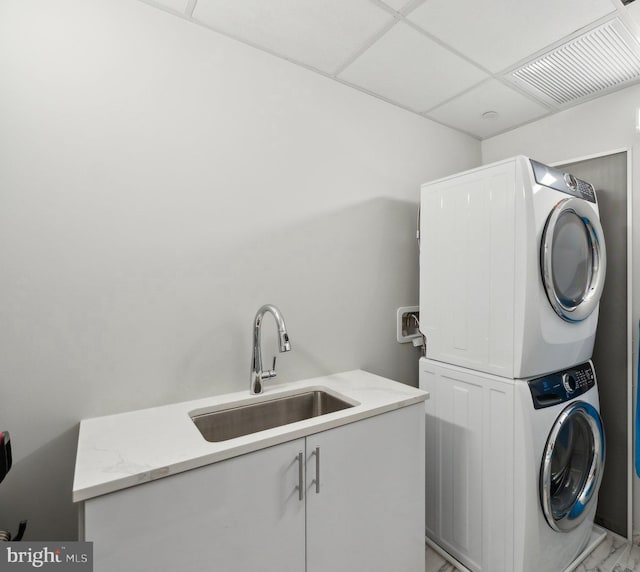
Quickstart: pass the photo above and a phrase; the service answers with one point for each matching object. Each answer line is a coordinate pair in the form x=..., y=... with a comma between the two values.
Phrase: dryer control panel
x=564, y=182
x=562, y=386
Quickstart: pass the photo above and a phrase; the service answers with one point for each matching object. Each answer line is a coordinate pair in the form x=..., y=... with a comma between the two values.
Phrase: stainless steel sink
x=246, y=419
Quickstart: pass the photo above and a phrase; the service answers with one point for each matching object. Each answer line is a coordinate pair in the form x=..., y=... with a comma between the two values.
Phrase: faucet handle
x=272, y=372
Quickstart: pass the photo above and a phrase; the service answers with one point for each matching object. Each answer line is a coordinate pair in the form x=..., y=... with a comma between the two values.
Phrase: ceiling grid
x=479, y=67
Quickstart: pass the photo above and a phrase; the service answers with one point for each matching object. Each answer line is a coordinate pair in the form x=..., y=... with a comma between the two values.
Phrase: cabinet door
x=459, y=490
x=237, y=515
x=469, y=484
x=368, y=513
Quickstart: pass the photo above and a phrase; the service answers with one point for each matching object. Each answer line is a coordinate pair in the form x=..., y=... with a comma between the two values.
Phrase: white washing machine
x=512, y=267
x=513, y=467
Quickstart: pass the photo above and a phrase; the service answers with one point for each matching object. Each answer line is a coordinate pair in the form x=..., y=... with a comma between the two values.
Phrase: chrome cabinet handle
x=317, y=454
x=300, y=476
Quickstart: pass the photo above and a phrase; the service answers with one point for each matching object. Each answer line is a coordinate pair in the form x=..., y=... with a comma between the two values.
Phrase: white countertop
x=119, y=451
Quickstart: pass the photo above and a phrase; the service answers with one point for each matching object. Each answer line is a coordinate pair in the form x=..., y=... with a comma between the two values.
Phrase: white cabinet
x=245, y=513
x=369, y=511
x=237, y=515
x=469, y=453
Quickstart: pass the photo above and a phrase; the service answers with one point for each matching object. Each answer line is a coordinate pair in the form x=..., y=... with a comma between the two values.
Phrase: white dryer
x=512, y=266
x=513, y=467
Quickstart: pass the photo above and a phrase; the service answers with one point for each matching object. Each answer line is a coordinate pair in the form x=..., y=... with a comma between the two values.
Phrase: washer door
x=572, y=466
x=573, y=259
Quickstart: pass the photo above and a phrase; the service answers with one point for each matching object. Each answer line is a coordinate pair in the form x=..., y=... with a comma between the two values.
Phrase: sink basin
x=246, y=419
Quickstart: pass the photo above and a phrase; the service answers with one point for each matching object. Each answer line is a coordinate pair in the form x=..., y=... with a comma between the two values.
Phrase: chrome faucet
x=257, y=375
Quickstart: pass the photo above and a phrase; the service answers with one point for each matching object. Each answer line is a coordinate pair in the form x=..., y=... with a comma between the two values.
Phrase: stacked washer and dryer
x=512, y=267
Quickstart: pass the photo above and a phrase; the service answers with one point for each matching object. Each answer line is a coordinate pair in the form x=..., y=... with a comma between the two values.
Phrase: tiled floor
x=608, y=556
x=630, y=561
x=613, y=554
x=435, y=563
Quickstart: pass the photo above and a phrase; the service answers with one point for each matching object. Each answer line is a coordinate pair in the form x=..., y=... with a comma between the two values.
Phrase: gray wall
x=158, y=183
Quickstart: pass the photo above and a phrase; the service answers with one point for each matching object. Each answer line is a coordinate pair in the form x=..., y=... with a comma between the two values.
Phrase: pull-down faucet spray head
x=285, y=346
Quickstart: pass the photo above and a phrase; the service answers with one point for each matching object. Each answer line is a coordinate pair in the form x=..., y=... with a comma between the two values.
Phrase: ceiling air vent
x=602, y=59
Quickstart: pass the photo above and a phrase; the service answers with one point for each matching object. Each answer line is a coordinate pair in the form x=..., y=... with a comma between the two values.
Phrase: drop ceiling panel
x=633, y=11
x=397, y=5
x=465, y=112
x=410, y=69
x=176, y=5
x=499, y=33
x=323, y=35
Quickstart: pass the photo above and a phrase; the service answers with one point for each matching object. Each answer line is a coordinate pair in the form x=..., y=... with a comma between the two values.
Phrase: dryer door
x=572, y=466
x=573, y=259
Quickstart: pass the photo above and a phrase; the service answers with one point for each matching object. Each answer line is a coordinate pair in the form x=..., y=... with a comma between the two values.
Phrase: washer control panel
x=562, y=386
x=564, y=182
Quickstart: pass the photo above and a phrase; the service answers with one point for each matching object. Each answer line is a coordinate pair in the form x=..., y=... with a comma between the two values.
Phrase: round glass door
x=573, y=259
x=572, y=466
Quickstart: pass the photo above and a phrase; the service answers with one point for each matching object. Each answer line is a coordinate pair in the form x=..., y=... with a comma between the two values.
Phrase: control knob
x=569, y=382
x=571, y=181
